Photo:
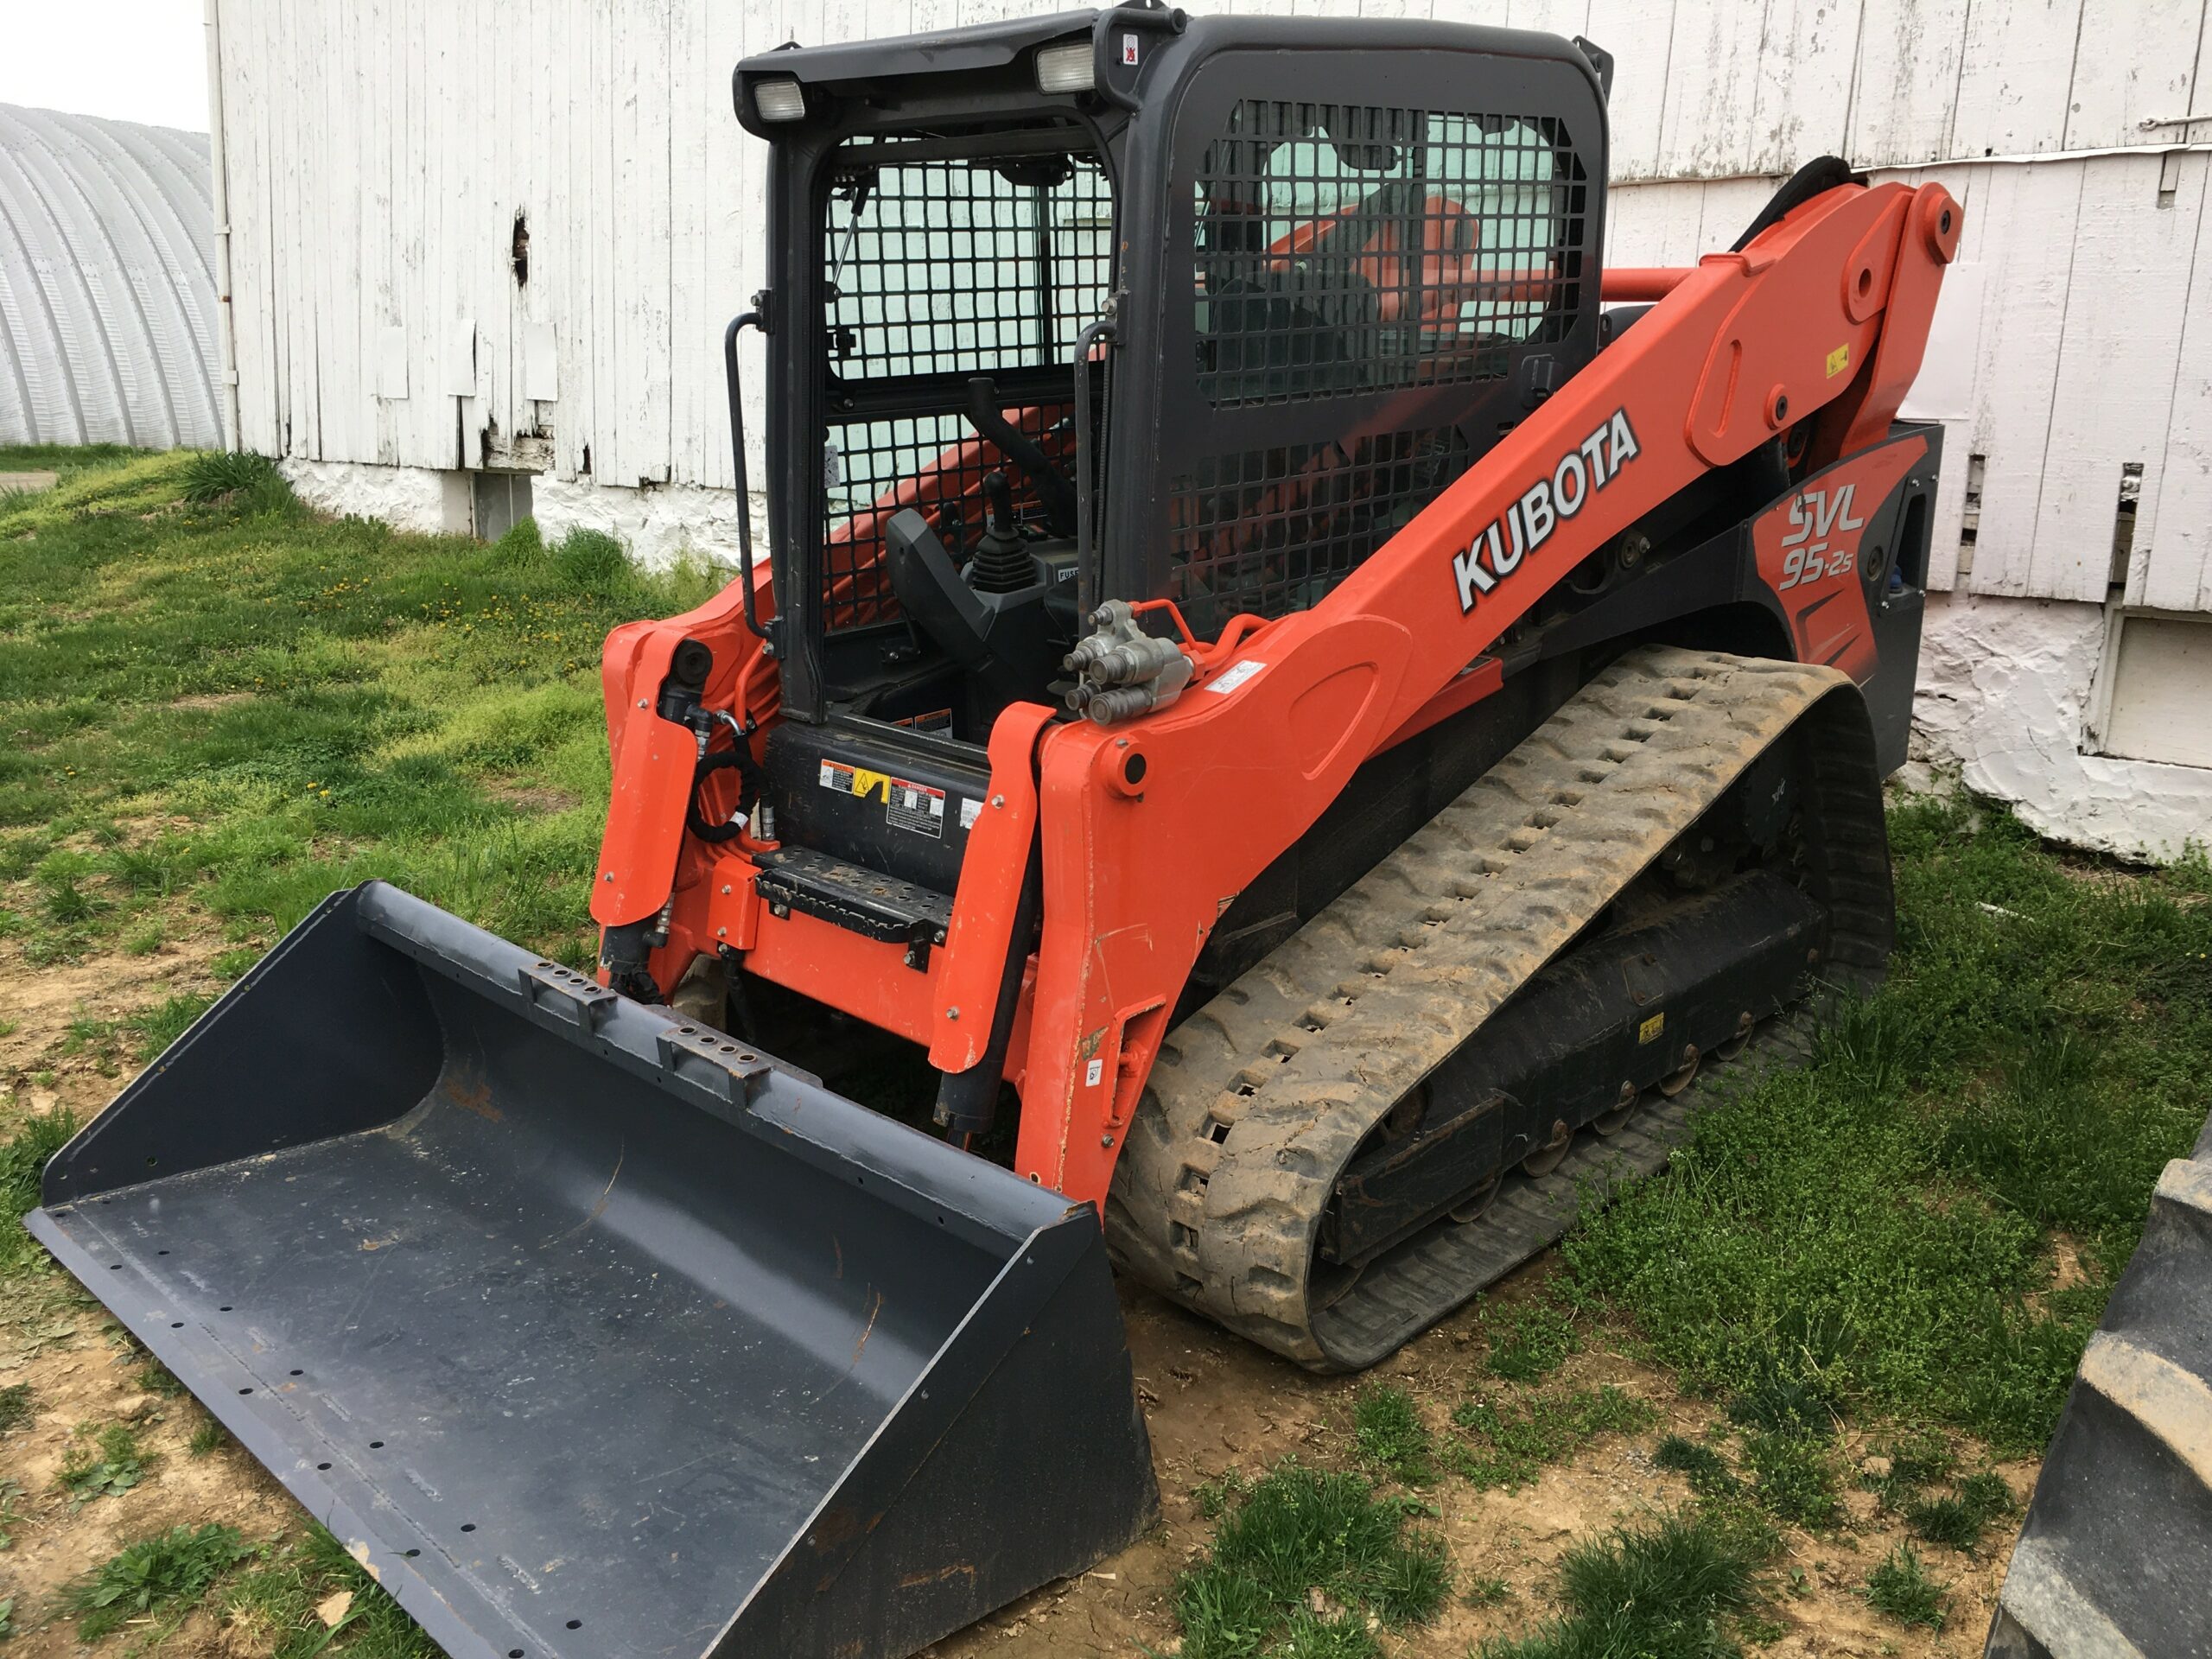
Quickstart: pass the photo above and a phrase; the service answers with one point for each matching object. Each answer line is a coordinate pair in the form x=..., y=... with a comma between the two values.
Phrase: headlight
x=1066, y=67
x=780, y=100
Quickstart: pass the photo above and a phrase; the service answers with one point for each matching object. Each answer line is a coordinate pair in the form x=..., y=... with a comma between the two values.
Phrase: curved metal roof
x=107, y=284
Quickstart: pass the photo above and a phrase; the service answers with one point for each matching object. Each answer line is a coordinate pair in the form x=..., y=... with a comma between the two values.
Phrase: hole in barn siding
x=518, y=253
x=2123, y=525
x=1970, y=513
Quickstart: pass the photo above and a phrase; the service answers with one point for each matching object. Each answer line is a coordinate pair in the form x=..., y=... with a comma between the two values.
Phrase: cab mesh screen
x=940, y=268
x=933, y=463
x=1269, y=531
x=1348, y=257
x=962, y=266
x=1344, y=247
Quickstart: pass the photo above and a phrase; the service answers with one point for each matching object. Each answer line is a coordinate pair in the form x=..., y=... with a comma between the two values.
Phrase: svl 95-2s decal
x=1821, y=513
x=1812, y=554
x=1528, y=522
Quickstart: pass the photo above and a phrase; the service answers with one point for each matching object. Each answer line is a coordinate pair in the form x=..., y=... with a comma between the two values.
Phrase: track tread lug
x=1409, y=960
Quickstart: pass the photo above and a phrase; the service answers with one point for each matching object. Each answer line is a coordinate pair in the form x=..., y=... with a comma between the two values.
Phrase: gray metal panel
x=107, y=286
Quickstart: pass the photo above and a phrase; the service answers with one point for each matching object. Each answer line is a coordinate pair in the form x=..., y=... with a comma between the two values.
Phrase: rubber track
x=1259, y=1100
x=2115, y=1559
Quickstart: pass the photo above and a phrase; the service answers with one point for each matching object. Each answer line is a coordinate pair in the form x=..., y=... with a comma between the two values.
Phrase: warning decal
x=905, y=805
x=853, y=781
x=1232, y=676
x=971, y=809
x=915, y=806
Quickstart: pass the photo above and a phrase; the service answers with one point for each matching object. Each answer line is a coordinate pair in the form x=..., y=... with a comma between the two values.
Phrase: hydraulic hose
x=1086, y=459
x=751, y=784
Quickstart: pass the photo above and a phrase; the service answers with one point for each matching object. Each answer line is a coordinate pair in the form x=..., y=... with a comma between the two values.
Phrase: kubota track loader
x=1268, y=654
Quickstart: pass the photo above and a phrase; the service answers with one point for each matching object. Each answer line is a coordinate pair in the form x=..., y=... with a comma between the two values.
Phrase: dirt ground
x=1213, y=1404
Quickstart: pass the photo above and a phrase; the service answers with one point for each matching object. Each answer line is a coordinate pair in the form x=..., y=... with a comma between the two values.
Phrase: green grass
x=1876, y=1234
x=219, y=707
x=1301, y=1535
x=1535, y=1342
x=1389, y=1435
x=15, y=1408
x=210, y=1436
x=272, y=1607
x=105, y=1464
x=168, y=1573
x=1506, y=1441
x=1794, y=1477
x=1900, y=1587
x=1706, y=1469
x=1672, y=1589
x=156, y=1378
x=22, y=1158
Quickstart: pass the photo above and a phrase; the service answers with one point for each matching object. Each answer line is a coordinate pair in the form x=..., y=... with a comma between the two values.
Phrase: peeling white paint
x=660, y=525
x=2005, y=690
x=406, y=498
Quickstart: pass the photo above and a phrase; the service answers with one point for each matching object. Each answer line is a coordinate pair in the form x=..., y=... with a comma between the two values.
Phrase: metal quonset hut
x=108, y=331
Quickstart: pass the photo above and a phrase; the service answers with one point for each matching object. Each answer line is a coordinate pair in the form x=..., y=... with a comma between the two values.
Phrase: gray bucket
x=593, y=1333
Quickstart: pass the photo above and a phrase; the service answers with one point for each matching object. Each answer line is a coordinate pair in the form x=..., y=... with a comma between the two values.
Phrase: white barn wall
x=377, y=155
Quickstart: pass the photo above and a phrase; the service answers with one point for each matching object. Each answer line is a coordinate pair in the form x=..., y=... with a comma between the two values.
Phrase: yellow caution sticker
x=855, y=780
x=1839, y=360
x=1650, y=1030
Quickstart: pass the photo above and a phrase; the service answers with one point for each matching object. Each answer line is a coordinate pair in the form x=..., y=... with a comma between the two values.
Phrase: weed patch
x=162, y=1025
x=1670, y=1590
x=1954, y=1519
x=1387, y=1434
x=1505, y=1442
x=220, y=476
x=1300, y=1561
x=169, y=1572
x=156, y=1378
x=1214, y=1498
x=14, y=1405
x=1535, y=1343
x=210, y=1436
x=102, y=1465
x=1900, y=1587
x=1794, y=1477
x=22, y=1161
x=1706, y=1469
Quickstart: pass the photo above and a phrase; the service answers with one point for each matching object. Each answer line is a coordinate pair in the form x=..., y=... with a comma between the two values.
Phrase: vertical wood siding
x=380, y=153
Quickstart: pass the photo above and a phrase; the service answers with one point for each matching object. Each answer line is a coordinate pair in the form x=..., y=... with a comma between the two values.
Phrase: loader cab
x=1129, y=305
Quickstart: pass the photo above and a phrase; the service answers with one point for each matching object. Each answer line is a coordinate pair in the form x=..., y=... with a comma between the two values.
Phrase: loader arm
x=1826, y=311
